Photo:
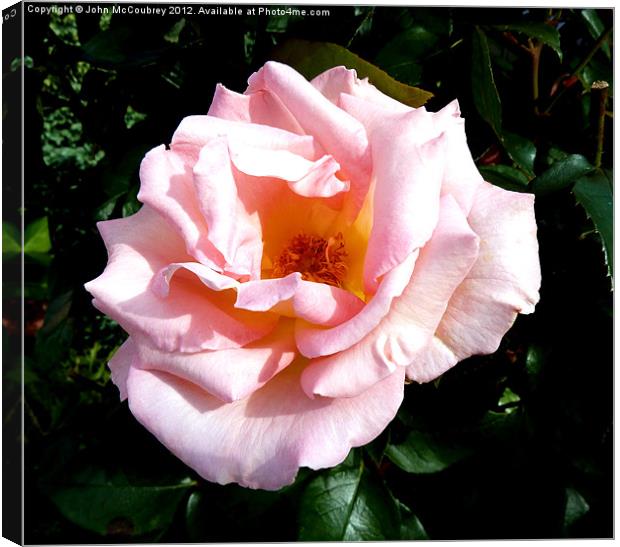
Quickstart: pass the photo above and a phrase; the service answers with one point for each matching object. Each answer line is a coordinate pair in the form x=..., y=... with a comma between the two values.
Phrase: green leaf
x=105, y=210
x=595, y=28
x=108, y=46
x=508, y=397
x=561, y=174
x=132, y=117
x=521, y=150
x=56, y=313
x=313, y=58
x=594, y=193
x=402, y=55
x=11, y=241
x=484, y=91
x=545, y=33
x=173, y=34
x=422, y=453
x=348, y=504
x=410, y=528
x=505, y=177
x=119, y=178
x=37, y=242
x=112, y=504
x=534, y=360
x=576, y=507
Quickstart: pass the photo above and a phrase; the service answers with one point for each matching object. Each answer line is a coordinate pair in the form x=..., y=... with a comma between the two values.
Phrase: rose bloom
x=302, y=250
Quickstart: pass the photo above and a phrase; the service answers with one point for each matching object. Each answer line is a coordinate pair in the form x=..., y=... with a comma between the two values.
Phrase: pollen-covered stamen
x=316, y=258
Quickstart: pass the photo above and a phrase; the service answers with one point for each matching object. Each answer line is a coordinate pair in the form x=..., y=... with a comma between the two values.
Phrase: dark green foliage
x=517, y=444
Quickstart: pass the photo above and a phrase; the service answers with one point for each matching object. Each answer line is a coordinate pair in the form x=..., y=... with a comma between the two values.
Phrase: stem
x=535, y=52
x=601, y=89
x=586, y=60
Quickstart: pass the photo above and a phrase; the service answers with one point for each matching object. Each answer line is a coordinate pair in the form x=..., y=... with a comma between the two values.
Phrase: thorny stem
x=602, y=39
x=600, y=88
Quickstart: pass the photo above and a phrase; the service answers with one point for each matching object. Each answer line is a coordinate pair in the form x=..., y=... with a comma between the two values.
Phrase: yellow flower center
x=316, y=258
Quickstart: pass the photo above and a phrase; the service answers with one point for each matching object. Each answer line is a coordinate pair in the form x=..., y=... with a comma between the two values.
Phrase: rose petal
x=290, y=296
x=228, y=374
x=191, y=317
x=316, y=342
x=502, y=283
x=461, y=177
x=167, y=186
x=261, y=441
x=260, y=107
x=413, y=318
x=304, y=177
x=123, y=358
x=338, y=80
x=231, y=230
x=196, y=131
x=293, y=296
x=342, y=135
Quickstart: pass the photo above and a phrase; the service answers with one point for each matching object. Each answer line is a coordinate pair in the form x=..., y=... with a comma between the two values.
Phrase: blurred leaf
x=347, y=504
x=508, y=397
x=119, y=177
x=376, y=449
x=108, y=46
x=541, y=31
x=505, y=177
x=313, y=58
x=402, y=55
x=576, y=507
x=105, y=210
x=11, y=241
x=484, y=91
x=534, y=365
x=131, y=204
x=112, y=504
x=65, y=27
x=423, y=453
x=595, y=28
x=37, y=242
x=17, y=63
x=521, y=150
x=594, y=193
x=173, y=34
x=561, y=174
x=410, y=528
x=132, y=117
x=57, y=311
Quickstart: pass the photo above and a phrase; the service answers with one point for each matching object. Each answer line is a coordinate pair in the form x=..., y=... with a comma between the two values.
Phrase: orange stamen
x=317, y=259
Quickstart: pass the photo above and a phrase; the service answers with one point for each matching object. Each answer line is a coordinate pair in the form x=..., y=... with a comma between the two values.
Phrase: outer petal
x=408, y=173
x=340, y=134
x=167, y=186
x=228, y=374
x=197, y=131
x=190, y=318
x=261, y=107
x=413, y=317
x=261, y=441
x=316, y=342
x=338, y=80
x=503, y=282
x=124, y=357
x=461, y=177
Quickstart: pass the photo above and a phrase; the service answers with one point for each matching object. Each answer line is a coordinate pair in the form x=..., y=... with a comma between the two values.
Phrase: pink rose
x=301, y=249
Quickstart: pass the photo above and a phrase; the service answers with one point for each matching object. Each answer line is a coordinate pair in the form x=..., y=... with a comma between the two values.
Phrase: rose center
x=316, y=258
